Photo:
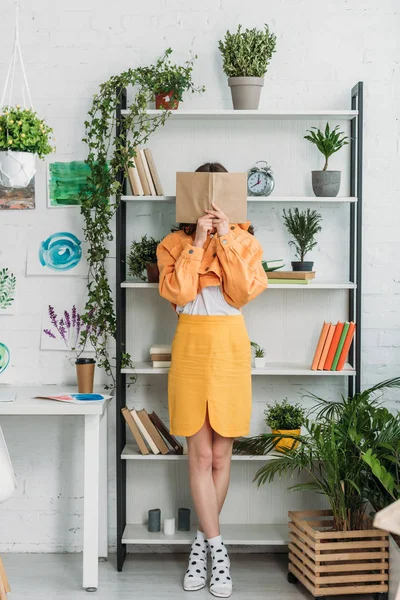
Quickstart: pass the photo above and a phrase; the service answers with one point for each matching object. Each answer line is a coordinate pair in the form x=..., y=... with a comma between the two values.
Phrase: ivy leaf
x=7, y=288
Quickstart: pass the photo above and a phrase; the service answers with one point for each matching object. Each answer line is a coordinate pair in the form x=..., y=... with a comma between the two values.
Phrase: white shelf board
x=280, y=369
x=248, y=535
x=131, y=453
x=292, y=199
x=274, y=114
x=316, y=285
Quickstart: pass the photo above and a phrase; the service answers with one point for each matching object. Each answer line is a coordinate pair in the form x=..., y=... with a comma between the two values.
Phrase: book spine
x=159, y=364
x=333, y=347
x=346, y=346
x=163, y=429
x=141, y=173
x=290, y=281
x=134, y=430
x=340, y=346
x=134, y=180
x=153, y=171
x=152, y=431
x=327, y=345
x=144, y=433
x=147, y=173
x=320, y=346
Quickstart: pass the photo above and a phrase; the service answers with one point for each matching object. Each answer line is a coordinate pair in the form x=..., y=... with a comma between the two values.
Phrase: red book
x=346, y=346
x=333, y=347
x=327, y=345
x=320, y=346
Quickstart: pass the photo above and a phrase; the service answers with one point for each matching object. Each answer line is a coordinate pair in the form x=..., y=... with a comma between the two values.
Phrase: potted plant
x=259, y=356
x=23, y=136
x=326, y=183
x=303, y=226
x=74, y=334
x=246, y=56
x=285, y=419
x=142, y=257
x=169, y=81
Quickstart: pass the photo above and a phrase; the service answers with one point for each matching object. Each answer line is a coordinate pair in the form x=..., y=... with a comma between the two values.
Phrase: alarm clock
x=260, y=181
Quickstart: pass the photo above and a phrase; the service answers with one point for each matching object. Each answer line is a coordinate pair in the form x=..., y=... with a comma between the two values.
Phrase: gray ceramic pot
x=245, y=92
x=305, y=265
x=326, y=183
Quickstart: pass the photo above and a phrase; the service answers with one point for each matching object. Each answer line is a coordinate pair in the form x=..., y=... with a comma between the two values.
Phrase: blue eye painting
x=61, y=251
x=4, y=357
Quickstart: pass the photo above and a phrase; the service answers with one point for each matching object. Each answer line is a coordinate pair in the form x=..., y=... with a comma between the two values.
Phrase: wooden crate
x=330, y=563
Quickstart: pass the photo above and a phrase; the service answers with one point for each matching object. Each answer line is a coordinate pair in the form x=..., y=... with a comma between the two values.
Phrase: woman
x=208, y=272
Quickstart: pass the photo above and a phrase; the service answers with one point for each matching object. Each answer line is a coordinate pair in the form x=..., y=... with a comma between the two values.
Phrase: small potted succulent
x=259, y=356
x=23, y=136
x=246, y=56
x=326, y=183
x=285, y=419
x=168, y=81
x=303, y=226
x=142, y=257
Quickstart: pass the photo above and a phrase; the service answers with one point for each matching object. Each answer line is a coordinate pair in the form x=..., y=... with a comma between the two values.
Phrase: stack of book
x=150, y=433
x=160, y=355
x=333, y=346
x=143, y=176
x=299, y=277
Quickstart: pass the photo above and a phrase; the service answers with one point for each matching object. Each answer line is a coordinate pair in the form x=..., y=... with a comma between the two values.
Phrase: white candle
x=169, y=526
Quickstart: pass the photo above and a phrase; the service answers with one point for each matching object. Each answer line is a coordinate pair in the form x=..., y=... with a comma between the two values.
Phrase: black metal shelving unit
x=354, y=306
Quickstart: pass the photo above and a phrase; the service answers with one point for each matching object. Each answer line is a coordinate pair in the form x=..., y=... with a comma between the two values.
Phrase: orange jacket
x=232, y=261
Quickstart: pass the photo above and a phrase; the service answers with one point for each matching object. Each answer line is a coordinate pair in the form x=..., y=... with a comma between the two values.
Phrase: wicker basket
x=330, y=563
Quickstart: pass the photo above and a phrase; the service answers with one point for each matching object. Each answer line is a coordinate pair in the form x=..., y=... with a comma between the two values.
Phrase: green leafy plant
x=164, y=76
x=109, y=155
x=7, y=288
x=258, y=351
x=283, y=415
x=303, y=226
x=247, y=53
x=333, y=452
x=142, y=253
x=327, y=143
x=21, y=130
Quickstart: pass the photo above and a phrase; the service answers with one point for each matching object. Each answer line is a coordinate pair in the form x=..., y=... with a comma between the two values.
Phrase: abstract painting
x=4, y=357
x=66, y=180
x=18, y=198
x=56, y=253
x=7, y=292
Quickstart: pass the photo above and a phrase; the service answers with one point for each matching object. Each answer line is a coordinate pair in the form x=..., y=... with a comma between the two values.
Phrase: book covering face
x=196, y=192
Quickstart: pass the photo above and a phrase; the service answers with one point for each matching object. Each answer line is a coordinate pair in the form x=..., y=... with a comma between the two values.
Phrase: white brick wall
x=324, y=47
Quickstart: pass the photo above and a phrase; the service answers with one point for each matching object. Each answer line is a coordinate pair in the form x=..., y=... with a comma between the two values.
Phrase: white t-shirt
x=210, y=301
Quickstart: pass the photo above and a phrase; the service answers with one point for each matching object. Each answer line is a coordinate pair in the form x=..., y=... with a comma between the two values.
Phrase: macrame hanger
x=16, y=54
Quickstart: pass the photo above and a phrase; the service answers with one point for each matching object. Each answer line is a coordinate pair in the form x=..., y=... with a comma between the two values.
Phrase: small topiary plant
x=21, y=130
x=285, y=416
x=141, y=254
x=247, y=53
x=303, y=226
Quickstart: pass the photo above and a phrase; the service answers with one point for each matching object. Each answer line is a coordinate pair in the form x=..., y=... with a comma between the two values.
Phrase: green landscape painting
x=66, y=180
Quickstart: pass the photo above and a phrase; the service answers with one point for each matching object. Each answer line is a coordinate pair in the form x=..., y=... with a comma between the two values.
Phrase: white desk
x=95, y=541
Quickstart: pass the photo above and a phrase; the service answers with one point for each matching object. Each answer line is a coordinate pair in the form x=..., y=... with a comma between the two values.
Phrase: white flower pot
x=16, y=168
x=259, y=363
x=7, y=478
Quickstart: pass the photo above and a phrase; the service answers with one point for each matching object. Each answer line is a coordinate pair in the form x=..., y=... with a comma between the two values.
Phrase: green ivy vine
x=110, y=154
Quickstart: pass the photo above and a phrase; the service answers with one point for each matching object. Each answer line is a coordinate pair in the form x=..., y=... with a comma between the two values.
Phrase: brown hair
x=209, y=167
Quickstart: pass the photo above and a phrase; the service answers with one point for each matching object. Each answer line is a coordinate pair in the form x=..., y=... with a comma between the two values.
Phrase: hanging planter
x=23, y=136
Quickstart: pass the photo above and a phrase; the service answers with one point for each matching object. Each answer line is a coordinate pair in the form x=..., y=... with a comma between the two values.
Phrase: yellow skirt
x=210, y=367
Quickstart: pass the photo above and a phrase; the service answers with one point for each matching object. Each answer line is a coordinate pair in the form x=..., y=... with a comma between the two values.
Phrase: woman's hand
x=219, y=220
x=204, y=225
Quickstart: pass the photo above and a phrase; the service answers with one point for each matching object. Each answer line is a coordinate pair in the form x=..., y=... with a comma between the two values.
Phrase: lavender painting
x=67, y=332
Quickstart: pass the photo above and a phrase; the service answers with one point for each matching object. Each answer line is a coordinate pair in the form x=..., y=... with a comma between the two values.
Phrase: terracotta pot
x=166, y=101
x=85, y=374
x=153, y=275
x=286, y=443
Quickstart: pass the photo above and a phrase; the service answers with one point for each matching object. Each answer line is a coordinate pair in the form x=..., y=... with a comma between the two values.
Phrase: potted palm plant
x=142, y=257
x=246, y=56
x=23, y=136
x=259, y=355
x=303, y=226
x=169, y=81
x=326, y=183
x=285, y=419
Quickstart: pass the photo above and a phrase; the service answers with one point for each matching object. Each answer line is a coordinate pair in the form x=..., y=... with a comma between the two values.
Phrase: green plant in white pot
x=259, y=356
x=326, y=183
x=246, y=56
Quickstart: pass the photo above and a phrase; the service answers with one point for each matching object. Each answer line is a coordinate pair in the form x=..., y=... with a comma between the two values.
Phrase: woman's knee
x=221, y=456
x=201, y=457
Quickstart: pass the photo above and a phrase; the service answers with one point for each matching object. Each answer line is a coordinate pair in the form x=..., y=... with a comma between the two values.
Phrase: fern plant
x=247, y=53
x=303, y=226
x=7, y=288
x=258, y=351
x=327, y=143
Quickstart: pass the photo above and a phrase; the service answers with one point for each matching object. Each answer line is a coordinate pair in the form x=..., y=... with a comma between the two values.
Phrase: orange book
x=320, y=346
x=327, y=345
x=333, y=347
x=346, y=346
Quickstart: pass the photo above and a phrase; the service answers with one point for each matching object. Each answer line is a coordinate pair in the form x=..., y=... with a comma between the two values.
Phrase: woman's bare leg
x=221, y=466
x=204, y=494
